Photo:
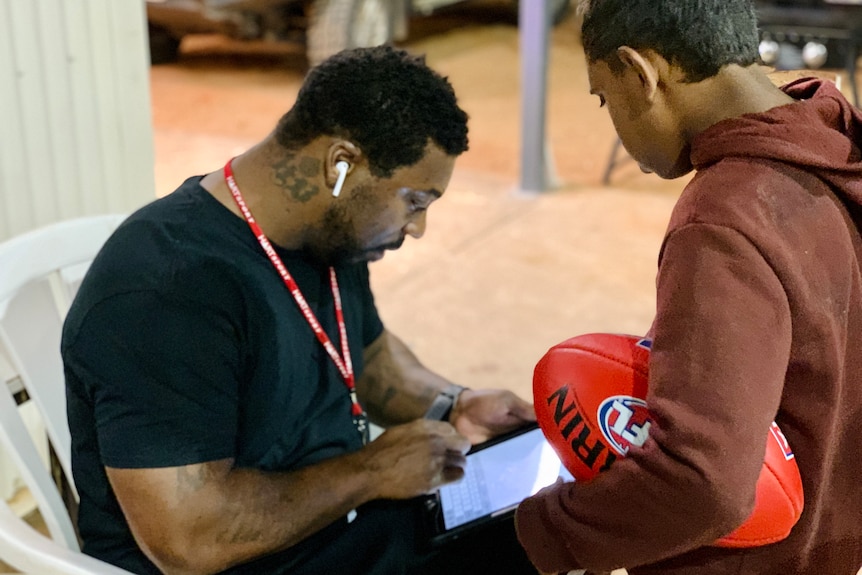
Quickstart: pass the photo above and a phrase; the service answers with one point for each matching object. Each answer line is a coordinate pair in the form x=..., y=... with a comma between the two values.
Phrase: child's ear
x=644, y=67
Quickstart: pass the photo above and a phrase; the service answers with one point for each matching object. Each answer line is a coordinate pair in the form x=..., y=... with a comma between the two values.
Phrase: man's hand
x=480, y=415
x=206, y=517
x=415, y=458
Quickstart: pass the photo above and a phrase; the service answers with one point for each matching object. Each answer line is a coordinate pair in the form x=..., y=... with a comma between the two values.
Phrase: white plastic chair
x=40, y=271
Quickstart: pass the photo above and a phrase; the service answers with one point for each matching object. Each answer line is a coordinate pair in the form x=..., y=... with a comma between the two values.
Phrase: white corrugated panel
x=76, y=134
x=75, y=121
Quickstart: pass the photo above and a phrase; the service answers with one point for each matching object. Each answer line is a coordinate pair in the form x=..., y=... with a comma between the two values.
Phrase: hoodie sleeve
x=720, y=351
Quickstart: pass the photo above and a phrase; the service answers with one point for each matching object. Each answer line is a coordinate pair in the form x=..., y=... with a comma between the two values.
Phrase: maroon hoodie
x=759, y=317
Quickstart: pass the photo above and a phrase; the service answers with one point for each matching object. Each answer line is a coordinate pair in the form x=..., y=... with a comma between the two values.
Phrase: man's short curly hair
x=699, y=36
x=386, y=101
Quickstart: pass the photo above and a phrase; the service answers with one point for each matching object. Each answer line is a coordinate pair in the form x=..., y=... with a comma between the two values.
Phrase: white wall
x=75, y=120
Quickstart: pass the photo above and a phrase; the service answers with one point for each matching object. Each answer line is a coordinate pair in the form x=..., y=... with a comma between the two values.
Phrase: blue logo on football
x=624, y=421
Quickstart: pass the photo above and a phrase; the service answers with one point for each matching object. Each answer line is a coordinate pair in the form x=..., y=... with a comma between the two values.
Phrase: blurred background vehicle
x=811, y=34
x=324, y=26
x=808, y=33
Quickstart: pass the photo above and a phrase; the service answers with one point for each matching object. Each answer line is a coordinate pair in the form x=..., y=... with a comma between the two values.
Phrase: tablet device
x=499, y=475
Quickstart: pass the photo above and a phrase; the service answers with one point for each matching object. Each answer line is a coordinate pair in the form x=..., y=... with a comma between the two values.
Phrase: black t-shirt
x=183, y=346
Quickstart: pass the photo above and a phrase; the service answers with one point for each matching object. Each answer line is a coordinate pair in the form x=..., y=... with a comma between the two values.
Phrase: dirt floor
x=499, y=276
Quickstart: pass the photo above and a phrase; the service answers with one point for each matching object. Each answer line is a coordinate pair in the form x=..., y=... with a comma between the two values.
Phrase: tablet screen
x=497, y=478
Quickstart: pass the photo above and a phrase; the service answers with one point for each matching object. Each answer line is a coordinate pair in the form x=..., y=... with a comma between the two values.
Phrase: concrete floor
x=499, y=276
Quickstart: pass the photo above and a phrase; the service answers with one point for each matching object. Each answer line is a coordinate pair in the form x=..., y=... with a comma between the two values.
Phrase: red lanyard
x=343, y=362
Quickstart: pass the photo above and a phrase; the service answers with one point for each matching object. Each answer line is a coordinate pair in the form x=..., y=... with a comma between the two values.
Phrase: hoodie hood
x=821, y=133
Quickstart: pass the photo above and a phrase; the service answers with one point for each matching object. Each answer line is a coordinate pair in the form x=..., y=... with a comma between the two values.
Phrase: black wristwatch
x=443, y=404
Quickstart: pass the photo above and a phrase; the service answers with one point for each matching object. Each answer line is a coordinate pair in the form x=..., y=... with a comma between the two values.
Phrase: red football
x=589, y=394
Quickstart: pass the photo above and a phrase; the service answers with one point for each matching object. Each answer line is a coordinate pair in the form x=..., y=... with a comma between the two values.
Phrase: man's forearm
x=395, y=387
x=206, y=517
x=210, y=516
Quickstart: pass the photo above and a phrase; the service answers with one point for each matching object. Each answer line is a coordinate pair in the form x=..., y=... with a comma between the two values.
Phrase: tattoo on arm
x=239, y=533
x=190, y=479
x=378, y=392
x=195, y=478
x=293, y=176
x=388, y=395
x=372, y=353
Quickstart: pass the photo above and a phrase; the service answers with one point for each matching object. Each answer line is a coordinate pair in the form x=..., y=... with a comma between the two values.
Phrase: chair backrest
x=40, y=271
x=30, y=552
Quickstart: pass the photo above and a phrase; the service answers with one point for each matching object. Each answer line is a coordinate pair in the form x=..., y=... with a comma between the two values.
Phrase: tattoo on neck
x=293, y=175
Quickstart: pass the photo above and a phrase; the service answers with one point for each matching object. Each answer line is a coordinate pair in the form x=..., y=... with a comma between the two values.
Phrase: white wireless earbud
x=342, y=167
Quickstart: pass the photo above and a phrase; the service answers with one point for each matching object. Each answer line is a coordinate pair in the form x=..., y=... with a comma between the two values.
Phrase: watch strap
x=443, y=404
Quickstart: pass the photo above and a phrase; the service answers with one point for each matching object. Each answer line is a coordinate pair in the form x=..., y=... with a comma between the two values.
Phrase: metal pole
x=534, y=29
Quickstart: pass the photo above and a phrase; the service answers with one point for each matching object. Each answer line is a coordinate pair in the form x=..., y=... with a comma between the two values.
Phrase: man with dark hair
x=355, y=92
x=224, y=349
x=759, y=305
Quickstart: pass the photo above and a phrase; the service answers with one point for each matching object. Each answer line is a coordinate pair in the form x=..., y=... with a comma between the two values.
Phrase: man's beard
x=353, y=253
x=338, y=244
